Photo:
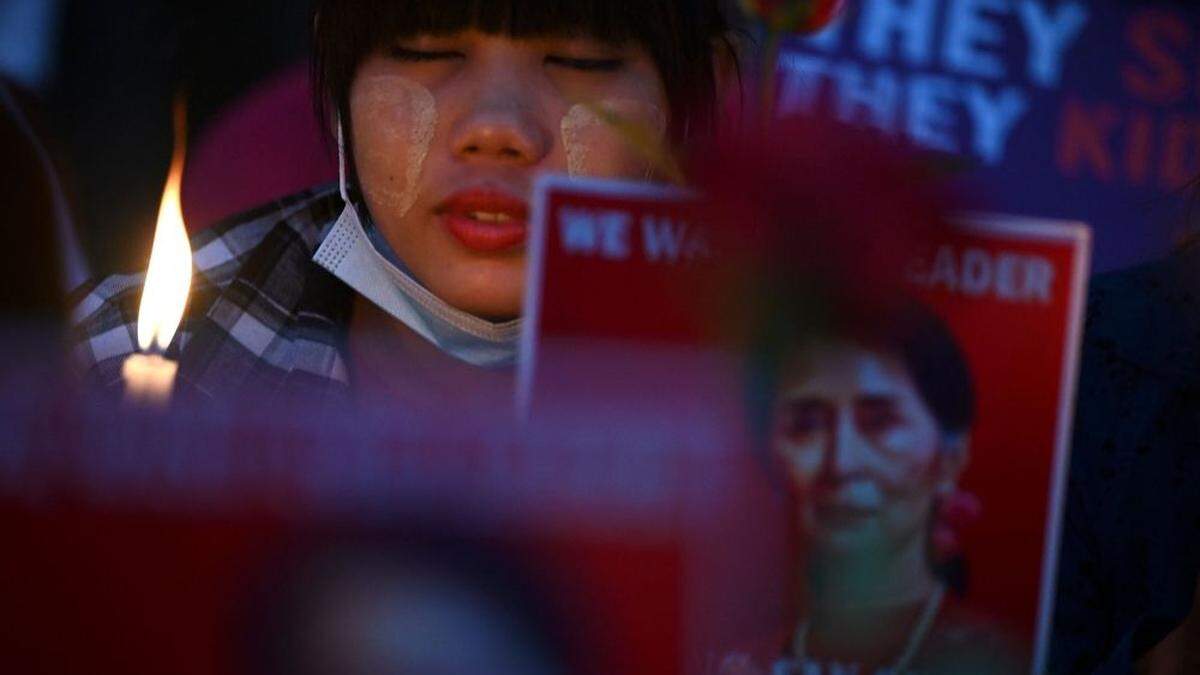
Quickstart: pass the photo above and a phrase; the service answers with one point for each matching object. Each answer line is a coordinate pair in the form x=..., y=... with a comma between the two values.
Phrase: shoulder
x=1141, y=350
x=1144, y=315
x=218, y=253
x=104, y=311
x=1128, y=501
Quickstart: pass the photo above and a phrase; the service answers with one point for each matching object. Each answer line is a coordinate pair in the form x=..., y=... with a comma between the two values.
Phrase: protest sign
x=1069, y=109
x=612, y=304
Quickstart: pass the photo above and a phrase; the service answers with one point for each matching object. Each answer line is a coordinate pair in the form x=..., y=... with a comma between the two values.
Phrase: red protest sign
x=984, y=351
x=1012, y=292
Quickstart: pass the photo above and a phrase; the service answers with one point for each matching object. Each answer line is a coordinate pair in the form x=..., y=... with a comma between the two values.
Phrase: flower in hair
x=955, y=512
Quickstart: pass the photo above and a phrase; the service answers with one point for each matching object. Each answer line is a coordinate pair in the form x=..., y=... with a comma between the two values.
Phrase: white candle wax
x=149, y=379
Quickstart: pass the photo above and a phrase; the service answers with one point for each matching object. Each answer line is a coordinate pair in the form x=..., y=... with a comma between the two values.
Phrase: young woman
x=409, y=278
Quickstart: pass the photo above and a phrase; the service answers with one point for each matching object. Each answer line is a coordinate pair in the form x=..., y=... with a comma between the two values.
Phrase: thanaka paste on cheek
x=595, y=148
x=395, y=119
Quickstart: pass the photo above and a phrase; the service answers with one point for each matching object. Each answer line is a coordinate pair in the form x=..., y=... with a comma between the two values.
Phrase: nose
x=501, y=126
x=847, y=449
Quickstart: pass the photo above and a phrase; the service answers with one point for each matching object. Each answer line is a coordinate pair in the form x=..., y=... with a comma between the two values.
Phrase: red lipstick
x=485, y=220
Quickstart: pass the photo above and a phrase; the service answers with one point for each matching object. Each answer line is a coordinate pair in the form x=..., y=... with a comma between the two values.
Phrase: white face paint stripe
x=573, y=123
x=410, y=101
x=425, y=118
x=579, y=124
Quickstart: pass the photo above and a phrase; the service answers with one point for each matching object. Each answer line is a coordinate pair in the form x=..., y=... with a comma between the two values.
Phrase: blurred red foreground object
x=264, y=146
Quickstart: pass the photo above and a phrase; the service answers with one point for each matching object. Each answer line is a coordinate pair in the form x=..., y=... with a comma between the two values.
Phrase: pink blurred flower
x=955, y=513
x=794, y=16
x=808, y=199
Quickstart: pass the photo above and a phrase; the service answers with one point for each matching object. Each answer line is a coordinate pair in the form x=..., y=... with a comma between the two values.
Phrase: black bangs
x=680, y=36
x=606, y=20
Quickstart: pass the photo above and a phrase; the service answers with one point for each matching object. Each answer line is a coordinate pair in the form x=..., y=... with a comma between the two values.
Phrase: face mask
x=349, y=254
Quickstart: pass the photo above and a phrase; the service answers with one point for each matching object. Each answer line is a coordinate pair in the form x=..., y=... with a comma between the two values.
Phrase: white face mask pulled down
x=365, y=263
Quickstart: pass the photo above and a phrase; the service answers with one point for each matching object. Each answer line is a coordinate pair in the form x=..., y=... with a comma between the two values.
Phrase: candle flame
x=169, y=277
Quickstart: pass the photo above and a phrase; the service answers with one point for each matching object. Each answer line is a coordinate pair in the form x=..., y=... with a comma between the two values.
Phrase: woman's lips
x=485, y=220
x=834, y=513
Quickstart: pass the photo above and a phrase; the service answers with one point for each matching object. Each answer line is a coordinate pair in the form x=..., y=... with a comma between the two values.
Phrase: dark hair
x=932, y=358
x=682, y=37
x=31, y=286
x=901, y=327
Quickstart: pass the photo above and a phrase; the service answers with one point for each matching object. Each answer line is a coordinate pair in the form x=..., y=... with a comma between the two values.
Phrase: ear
x=955, y=452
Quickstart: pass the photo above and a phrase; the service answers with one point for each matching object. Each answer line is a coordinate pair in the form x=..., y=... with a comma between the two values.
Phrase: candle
x=149, y=379
x=149, y=376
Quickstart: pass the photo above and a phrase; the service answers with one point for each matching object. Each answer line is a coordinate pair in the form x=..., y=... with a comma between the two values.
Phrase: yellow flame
x=169, y=277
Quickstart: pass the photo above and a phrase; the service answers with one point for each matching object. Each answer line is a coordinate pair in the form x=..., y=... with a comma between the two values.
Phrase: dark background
x=104, y=96
x=98, y=78
x=1114, y=142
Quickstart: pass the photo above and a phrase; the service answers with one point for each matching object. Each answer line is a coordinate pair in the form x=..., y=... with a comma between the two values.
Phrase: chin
x=842, y=540
x=498, y=301
x=491, y=289
x=497, y=310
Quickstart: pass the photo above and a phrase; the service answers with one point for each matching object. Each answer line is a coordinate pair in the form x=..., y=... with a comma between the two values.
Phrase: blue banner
x=1066, y=108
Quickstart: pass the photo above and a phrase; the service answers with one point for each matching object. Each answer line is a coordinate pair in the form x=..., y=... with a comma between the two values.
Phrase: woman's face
x=449, y=133
x=862, y=449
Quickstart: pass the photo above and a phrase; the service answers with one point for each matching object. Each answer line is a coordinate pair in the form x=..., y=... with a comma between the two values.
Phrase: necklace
x=915, y=639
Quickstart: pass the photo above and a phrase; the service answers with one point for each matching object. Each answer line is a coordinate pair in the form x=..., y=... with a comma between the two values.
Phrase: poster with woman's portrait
x=926, y=449
x=922, y=448
x=1012, y=294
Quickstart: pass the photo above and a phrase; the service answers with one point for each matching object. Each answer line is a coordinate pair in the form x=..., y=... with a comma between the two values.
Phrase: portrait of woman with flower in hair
x=870, y=428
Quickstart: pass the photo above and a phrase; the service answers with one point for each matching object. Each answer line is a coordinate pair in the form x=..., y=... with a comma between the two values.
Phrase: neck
x=868, y=582
x=390, y=360
x=865, y=607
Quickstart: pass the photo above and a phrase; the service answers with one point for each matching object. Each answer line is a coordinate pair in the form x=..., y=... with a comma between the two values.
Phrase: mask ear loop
x=341, y=146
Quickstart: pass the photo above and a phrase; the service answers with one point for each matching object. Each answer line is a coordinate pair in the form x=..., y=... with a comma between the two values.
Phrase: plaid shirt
x=261, y=315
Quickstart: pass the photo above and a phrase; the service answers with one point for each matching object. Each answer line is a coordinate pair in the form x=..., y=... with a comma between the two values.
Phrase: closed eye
x=586, y=65
x=418, y=56
x=876, y=414
x=805, y=417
